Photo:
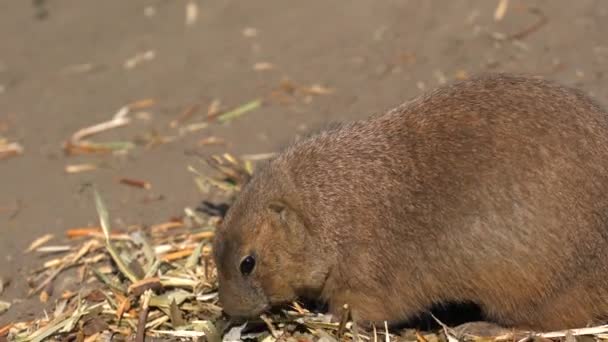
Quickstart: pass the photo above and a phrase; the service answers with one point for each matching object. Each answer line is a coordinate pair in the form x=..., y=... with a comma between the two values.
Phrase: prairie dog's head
x=264, y=250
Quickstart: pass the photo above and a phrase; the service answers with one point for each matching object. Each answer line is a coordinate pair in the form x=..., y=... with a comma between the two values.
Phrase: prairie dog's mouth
x=244, y=315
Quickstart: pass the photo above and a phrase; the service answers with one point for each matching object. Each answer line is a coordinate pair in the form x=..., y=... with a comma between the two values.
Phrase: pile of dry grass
x=160, y=283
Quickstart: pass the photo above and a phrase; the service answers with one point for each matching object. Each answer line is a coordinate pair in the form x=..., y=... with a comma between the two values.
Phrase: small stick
x=268, y=323
x=119, y=119
x=532, y=28
x=375, y=333
x=177, y=255
x=185, y=115
x=4, y=330
x=143, y=316
x=387, y=336
x=80, y=168
x=582, y=331
x=420, y=338
x=163, y=227
x=136, y=183
x=141, y=104
x=343, y=320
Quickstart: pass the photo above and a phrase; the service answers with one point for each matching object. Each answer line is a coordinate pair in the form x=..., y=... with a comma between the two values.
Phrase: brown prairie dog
x=492, y=190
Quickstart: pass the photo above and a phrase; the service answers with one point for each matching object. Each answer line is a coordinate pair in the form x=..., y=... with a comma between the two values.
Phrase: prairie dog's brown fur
x=492, y=190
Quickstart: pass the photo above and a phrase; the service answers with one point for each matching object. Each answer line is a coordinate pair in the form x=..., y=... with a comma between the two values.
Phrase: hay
x=160, y=283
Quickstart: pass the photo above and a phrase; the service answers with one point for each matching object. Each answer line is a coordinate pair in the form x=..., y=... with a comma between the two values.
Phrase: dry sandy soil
x=62, y=68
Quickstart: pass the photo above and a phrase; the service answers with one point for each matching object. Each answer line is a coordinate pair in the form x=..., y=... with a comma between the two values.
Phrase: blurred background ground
x=68, y=64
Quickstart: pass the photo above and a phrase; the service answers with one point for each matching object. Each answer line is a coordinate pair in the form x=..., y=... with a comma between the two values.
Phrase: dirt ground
x=62, y=68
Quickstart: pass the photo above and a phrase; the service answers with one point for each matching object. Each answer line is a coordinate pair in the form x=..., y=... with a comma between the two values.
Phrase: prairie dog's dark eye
x=247, y=265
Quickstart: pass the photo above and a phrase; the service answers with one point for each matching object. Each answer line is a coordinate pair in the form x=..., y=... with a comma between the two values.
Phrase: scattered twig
x=143, y=316
x=77, y=142
x=5, y=329
x=343, y=320
x=542, y=20
x=602, y=329
x=136, y=183
x=271, y=328
x=39, y=242
x=185, y=115
x=77, y=168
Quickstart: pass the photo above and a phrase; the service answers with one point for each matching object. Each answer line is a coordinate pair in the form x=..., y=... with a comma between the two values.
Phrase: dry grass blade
x=141, y=104
x=82, y=252
x=501, y=10
x=53, y=249
x=270, y=327
x=177, y=319
x=317, y=89
x=343, y=320
x=602, y=329
x=104, y=221
x=375, y=332
x=4, y=306
x=195, y=256
x=233, y=114
x=449, y=333
x=77, y=141
x=180, y=333
x=387, y=335
x=39, y=242
x=258, y=156
x=64, y=323
x=80, y=168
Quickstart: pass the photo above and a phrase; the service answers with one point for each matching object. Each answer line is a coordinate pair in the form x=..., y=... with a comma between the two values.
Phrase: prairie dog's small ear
x=280, y=209
x=289, y=219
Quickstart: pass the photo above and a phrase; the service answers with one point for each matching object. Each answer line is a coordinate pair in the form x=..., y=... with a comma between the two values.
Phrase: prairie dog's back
x=491, y=133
